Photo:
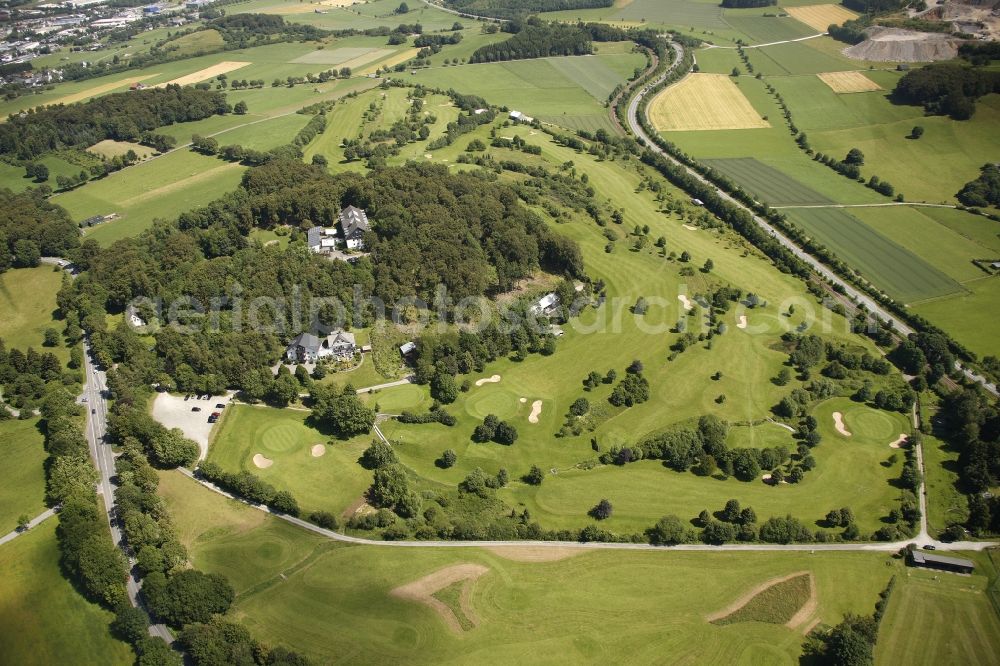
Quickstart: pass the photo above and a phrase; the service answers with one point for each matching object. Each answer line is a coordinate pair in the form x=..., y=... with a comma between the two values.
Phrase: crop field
x=704, y=102
x=293, y=591
x=150, y=190
x=939, y=618
x=24, y=459
x=848, y=82
x=673, y=12
x=329, y=482
x=820, y=17
x=333, y=56
x=797, y=58
x=765, y=29
x=591, y=73
x=538, y=87
x=883, y=261
x=24, y=320
x=771, y=185
x=43, y=619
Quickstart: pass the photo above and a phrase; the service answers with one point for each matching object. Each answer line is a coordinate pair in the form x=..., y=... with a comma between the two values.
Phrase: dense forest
x=873, y=6
x=121, y=116
x=31, y=228
x=506, y=9
x=984, y=190
x=430, y=228
x=536, y=39
x=247, y=30
x=946, y=89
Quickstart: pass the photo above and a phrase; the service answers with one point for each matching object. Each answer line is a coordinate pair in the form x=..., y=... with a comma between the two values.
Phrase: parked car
x=213, y=419
x=186, y=398
x=930, y=546
x=196, y=409
x=93, y=411
x=220, y=406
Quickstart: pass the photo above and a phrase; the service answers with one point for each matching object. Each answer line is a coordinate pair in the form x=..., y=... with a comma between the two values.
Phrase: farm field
x=771, y=185
x=24, y=458
x=939, y=618
x=43, y=619
x=848, y=82
x=798, y=58
x=765, y=29
x=24, y=320
x=569, y=605
x=883, y=261
x=820, y=17
x=704, y=102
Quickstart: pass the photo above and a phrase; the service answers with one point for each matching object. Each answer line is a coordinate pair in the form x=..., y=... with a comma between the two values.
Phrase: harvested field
x=704, y=102
x=848, y=82
x=898, y=45
x=424, y=589
x=819, y=17
x=100, y=90
x=534, y=553
x=208, y=73
x=788, y=600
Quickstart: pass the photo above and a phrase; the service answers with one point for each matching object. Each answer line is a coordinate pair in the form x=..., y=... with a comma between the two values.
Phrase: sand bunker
x=742, y=323
x=898, y=45
x=523, y=400
x=534, y=553
x=204, y=74
x=838, y=423
x=488, y=380
x=261, y=462
x=689, y=227
x=536, y=409
x=318, y=450
x=422, y=591
x=685, y=301
x=898, y=444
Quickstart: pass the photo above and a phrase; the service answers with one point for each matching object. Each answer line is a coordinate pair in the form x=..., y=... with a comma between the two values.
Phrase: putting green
x=497, y=401
x=279, y=437
x=871, y=424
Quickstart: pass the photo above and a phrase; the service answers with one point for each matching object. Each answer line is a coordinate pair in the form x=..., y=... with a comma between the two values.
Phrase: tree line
x=536, y=39
x=31, y=227
x=508, y=9
x=119, y=116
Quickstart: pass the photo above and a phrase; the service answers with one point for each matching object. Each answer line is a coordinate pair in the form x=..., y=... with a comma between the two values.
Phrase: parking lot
x=173, y=411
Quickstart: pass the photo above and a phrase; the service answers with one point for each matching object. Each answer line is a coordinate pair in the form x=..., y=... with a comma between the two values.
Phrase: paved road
x=43, y=516
x=102, y=453
x=399, y=382
x=854, y=547
x=816, y=265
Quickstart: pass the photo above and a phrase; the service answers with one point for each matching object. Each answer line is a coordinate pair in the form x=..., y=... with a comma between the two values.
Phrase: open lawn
x=970, y=317
x=23, y=451
x=24, y=320
x=551, y=89
x=848, y=473
x=150, y=190
x=939, y=618
x=334, y=603
x=704, y=102
x=945, y=503
x=43, y=619
x=330, y=482
x=886, y=263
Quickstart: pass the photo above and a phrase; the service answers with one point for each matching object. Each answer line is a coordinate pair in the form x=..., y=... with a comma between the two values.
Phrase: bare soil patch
x=423, y=590
x=898, y=45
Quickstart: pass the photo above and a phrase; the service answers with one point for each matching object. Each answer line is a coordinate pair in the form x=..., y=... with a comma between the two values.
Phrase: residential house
x=546, y=305
x=310, y=348
x=354, y=224
x=321, y=239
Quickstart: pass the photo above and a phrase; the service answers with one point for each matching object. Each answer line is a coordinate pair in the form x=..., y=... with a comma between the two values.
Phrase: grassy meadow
x=43, y=620
x=24, y=319
x=332, y=601
x=24, y=454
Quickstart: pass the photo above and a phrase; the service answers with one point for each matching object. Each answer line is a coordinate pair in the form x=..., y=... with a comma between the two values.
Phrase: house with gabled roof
x=353, y=224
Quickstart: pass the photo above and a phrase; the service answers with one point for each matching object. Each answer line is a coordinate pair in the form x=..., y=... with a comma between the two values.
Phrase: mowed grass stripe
x=902, y=274
x=767, y=183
